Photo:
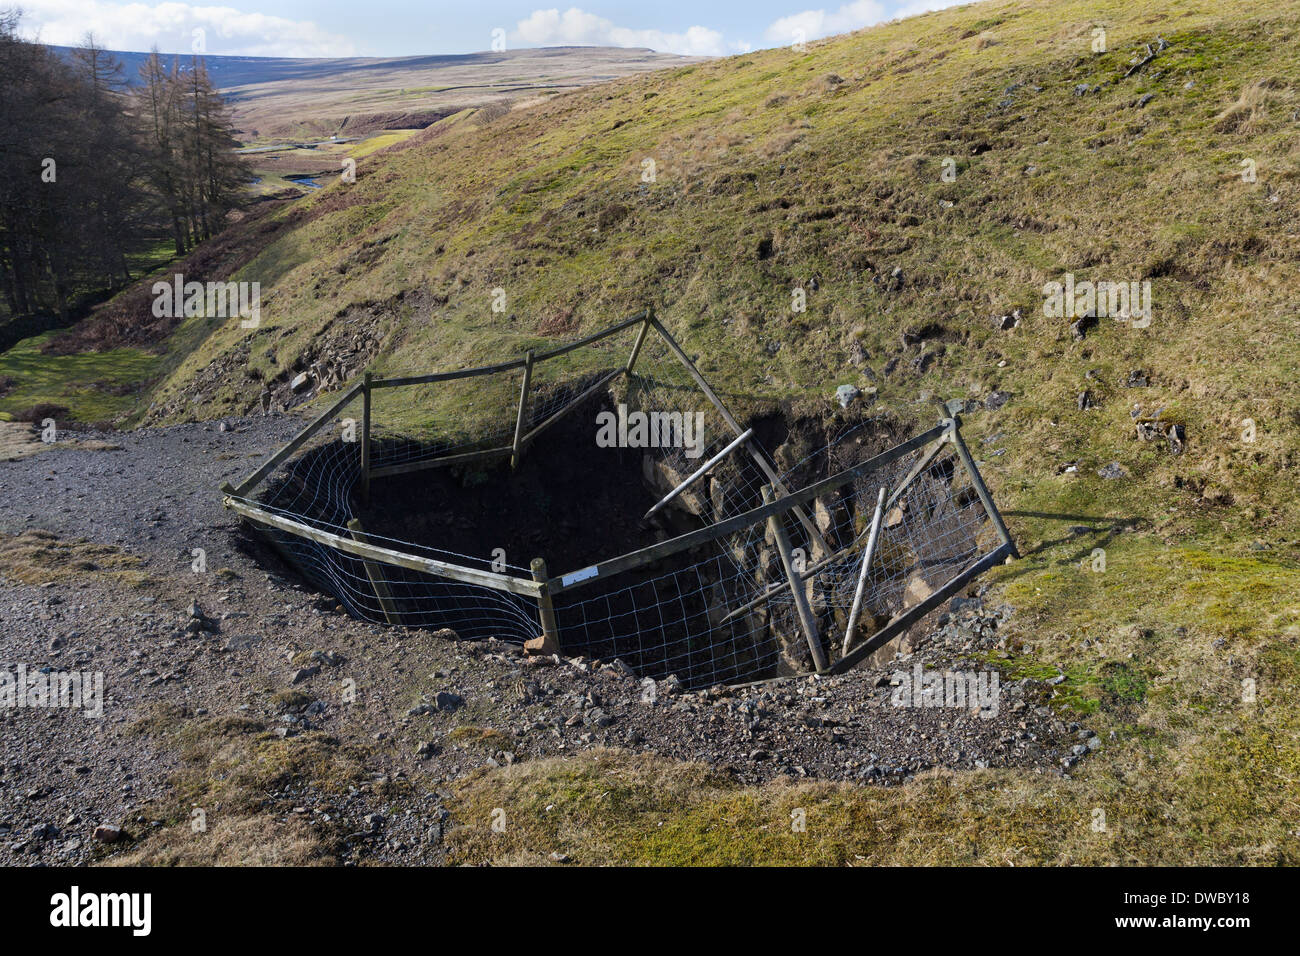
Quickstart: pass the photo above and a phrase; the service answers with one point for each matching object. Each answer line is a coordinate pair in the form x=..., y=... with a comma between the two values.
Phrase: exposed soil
x=428, y=707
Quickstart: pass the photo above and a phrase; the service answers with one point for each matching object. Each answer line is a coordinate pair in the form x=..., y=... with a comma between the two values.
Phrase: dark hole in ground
x=569, y=501
x=576, y=504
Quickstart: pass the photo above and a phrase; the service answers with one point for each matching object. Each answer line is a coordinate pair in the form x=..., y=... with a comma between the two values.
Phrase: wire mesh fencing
x=743, y=566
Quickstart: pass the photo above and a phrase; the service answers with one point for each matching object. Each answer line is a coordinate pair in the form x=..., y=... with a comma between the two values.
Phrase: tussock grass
x=618, y=808
x=39, y=557
x=236, y=772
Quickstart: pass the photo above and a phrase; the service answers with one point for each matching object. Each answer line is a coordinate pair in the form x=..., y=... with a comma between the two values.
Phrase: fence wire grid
x=721, y=612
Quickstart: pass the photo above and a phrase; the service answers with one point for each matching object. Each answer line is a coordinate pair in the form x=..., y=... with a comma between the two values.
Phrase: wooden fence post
x=913, y=614
x=640, y=340
x=814, y=534
x=549, y=642
x=375, y=574
x=806, y=618
x=523, y=410
x=867, y=554
x=365, y=438
x=985, y=498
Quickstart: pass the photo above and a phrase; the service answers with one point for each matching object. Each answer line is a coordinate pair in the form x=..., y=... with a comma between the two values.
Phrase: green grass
x=150, y=256
x=94, y=387
x=380, y=141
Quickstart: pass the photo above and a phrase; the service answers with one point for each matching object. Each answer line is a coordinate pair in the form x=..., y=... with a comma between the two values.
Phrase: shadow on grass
x=1105, y=526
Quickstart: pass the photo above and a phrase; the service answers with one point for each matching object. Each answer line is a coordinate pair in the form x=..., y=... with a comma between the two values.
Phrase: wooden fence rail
x=778, y=500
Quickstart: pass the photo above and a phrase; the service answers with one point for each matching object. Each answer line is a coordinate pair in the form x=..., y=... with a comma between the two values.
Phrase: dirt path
x=218, y=713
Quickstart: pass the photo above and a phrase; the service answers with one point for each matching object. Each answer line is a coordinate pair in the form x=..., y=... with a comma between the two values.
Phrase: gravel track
x=62, y=774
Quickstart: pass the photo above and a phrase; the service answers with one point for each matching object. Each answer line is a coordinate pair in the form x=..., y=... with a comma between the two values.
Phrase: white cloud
x=575, y=27
x=814, y=24
x=171, y=26
x=925, y=6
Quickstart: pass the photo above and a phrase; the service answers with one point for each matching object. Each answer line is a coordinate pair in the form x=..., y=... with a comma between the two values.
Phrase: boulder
x=663, y=478
x=916, y=591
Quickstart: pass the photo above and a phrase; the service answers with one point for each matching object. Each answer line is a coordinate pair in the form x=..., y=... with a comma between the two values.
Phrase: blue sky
x=406, y=27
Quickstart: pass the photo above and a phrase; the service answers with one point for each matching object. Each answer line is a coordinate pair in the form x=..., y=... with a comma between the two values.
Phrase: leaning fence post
x=549, y=642
x=867, y=555
x=523, y=410
x=796, y=589
x=365, y=438
x=640, y=341
x=814, y=534
x=376, y=576
x=985, y=498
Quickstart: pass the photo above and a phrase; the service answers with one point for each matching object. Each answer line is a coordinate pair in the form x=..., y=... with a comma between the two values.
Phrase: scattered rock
x=1156, y=430
x=448, y=702
x=957, y=406
x=996, y=400
x=107, y=833
x=1112, y=471
x=618, y=666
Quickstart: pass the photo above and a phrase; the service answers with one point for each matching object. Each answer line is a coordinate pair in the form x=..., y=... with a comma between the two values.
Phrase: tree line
x=92, y=167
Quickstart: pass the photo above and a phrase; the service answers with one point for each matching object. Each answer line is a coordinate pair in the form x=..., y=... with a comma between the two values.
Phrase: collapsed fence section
x=747, y=569
x=765, y=595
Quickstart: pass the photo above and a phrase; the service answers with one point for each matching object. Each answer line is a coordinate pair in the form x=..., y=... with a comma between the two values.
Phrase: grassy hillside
x=823, y=169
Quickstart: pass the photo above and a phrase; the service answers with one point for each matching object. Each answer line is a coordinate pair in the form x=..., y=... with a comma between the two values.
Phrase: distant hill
x=284, y=97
